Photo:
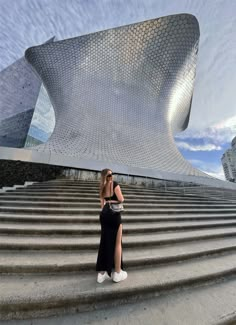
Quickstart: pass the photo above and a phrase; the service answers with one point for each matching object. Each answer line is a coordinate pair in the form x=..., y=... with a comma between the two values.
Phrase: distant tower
x=233, y=145
x=229, y=163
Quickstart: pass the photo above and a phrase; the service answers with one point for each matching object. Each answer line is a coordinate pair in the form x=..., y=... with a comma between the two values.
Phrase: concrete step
x=213, y=303
x=85, y=185
x=85, y=197
x=97, y=185
x=125, y=188
x=52, y=231
x=124, y=185
x=70, y=261
x=128, y=211
x=88, y=229
x=87, y=188
x=96, y=191
x=75, y=194
x=88, y=219
x=73, y=182
x=128, y=199
x=49, y=294
x=90, y=191
x=83, y=242
x=128, y=205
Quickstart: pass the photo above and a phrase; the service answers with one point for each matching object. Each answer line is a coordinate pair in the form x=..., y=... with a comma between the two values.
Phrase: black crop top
x=114, y=197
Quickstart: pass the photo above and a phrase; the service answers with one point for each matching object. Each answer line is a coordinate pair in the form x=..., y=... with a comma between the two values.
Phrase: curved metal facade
x=19, y=90
x=120, y=95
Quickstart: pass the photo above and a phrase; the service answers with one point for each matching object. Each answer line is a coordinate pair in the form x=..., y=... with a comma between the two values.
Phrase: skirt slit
x=110, y=223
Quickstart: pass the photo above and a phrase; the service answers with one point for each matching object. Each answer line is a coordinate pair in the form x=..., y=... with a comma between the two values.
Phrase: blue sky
x=24, y=23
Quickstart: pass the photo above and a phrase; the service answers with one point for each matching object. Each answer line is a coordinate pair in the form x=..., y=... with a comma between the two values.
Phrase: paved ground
x=195, y=306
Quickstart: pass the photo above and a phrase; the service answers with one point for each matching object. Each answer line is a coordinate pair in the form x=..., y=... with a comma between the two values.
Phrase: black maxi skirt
x=110, y=222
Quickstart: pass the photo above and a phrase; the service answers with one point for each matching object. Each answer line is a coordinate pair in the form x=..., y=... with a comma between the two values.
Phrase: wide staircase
x=49, y=237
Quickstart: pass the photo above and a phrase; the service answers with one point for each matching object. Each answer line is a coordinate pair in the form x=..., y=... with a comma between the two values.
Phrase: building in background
x=233, y=144
x=120, y=96
x=19, y=89
x=229, y=162
x=26, y=114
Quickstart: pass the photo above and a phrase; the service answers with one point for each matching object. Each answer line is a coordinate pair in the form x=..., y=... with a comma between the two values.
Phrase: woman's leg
x=118, y=250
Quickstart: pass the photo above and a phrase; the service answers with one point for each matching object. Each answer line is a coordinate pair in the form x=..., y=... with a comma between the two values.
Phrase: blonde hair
x=103, y=181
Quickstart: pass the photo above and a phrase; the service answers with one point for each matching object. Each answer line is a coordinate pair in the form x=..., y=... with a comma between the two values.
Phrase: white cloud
x=204, y=147
x=219, y=175
x=217, y=134
x=212, y=169
x=227, y=123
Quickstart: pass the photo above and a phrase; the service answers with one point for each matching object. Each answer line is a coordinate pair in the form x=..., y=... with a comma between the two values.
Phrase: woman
x=110, y=249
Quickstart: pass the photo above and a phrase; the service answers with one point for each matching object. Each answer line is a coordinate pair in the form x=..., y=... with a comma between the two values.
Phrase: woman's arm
x=102, y=202
x=119, y=194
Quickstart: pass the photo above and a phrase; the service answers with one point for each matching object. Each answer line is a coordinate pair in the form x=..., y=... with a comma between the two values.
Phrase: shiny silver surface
x=120, y=95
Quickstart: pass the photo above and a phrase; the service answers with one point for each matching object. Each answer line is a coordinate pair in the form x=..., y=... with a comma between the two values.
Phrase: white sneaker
x=117, y=277
x=102, y=277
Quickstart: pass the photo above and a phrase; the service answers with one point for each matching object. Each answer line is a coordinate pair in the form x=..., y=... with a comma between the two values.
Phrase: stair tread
x=128, y=205
x=65, y=217
x=83, y=239
x=96, y=194
x=44, y=288
x=138, y=225
x=67, y=258
x=88, y=201
x=196, y=305
x=126, y=209
x=53, y=262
